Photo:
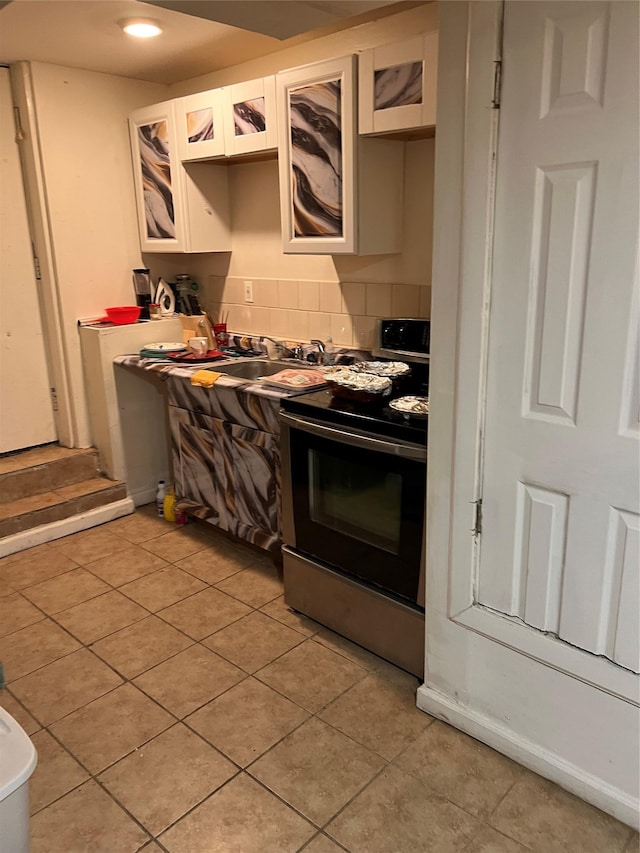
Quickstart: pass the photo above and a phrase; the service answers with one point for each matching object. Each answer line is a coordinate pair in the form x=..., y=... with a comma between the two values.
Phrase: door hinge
x=476, y=530
x=36, y=266
x=54, y=399
x=497, y=84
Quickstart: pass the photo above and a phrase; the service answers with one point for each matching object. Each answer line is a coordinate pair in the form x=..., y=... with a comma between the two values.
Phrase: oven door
x=355, y=502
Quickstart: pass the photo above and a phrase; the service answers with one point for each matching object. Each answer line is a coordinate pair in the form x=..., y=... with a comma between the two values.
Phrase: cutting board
x=197, y=326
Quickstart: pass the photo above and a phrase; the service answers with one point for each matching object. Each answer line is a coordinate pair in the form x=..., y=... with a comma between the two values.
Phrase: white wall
x=82, y=123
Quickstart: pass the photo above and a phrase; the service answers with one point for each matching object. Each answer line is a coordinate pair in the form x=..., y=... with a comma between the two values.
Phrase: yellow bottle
x=170, y=505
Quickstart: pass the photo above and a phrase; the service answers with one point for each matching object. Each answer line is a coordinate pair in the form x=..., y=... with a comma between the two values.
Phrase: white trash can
x=18, y=759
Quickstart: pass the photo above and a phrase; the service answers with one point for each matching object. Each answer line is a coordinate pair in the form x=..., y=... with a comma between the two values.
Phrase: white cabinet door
x=181, y=208
x=339, y=194
x=156, y=169
x=200, y=129
x=560, y=539
x=317, y=157
x=250, y=123
x=397, y=85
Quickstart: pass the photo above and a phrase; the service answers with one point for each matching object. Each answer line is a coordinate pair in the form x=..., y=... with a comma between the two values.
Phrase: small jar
x=154, y=311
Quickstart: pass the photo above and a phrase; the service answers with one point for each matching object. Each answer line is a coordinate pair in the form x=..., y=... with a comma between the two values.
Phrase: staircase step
x=56, y=504
x=45, y=469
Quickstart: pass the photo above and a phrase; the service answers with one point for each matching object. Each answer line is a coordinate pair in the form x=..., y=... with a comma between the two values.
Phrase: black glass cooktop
x=374, y=418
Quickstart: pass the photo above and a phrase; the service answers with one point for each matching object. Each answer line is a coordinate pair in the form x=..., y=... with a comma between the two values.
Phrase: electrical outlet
x=248, y=291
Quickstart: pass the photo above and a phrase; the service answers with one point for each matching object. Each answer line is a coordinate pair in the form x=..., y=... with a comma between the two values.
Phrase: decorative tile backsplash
x=301, y=310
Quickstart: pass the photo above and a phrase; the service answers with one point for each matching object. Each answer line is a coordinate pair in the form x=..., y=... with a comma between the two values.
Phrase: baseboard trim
x=57, y=529
x=488, y=730
x=141, y=497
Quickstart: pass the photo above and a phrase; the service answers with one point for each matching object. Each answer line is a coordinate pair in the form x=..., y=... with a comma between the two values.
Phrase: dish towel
x=205, y=378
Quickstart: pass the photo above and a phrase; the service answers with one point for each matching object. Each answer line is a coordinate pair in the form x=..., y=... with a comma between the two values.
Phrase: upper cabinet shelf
x=250, y=123
x=338, y=194
x=397, y=86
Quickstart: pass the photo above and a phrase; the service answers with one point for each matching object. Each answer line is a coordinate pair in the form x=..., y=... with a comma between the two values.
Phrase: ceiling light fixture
x=142, y=28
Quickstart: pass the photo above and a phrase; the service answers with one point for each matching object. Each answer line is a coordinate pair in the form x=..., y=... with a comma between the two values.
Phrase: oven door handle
x=395, y=448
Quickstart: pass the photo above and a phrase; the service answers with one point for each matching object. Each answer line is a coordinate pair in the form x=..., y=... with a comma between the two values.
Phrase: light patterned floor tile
x=396, y=813
x=145, y=781
x=65, y=591
x=189, y=680
x=110, y=727
x=30, y=648
x=16, y=612
x=90, y=545
x=488, y=840
x=23, y=717
x=547, y=819
x=380, y=713
x=254, y=641
x=255, y=585
x=214, y=564
x=204, y=613
x=173, y=546
x=279, y=610
x=311, y=675
x=162, y=588
x=125, y=566
x=140, y=646
x=465, y=771
x=317, y=770
x=31, y=568
x=101, y=616
x=85, y=820
x=239, y=818
x=247, y=720
x=56, y=773
x=64, y=685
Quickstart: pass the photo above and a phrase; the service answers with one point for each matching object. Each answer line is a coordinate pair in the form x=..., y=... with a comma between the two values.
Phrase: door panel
x=27, y=416
x=560, y=494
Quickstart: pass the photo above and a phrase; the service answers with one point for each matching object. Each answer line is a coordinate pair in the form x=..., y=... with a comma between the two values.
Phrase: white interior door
x=560, y=539
x=26, y=414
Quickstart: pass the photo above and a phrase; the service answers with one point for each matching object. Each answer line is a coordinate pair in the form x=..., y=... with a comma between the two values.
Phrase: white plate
x=417, y=407
x=162, y=347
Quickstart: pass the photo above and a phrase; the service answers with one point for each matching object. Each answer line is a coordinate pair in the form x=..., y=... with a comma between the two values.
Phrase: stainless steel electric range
x=353, y=500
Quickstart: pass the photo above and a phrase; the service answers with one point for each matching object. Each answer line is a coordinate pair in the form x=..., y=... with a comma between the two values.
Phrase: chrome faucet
x=279, y=347
x=321, y=350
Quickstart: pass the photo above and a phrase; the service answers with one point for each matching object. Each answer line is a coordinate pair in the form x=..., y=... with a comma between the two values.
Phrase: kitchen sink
x=254, y=368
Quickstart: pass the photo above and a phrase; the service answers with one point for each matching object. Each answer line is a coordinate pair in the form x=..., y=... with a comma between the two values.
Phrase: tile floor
x=177, y=704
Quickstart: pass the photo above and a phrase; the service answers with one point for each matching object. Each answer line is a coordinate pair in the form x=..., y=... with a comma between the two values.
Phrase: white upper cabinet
x=250, y=123
x=397, y=85
x=200, y=125
x=180, y=208
x=338, y=194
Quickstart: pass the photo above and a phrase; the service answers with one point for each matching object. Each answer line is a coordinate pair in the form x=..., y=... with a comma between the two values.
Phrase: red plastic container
x=123, y=314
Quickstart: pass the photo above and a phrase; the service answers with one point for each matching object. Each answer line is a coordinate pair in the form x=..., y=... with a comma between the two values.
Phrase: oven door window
x=359, y=511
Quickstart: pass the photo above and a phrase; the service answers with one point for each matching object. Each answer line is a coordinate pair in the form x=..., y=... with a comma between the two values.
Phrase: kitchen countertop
x=165, y=369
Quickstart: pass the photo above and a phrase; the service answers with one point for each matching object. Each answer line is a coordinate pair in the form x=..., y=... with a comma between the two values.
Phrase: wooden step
x=35, y=510
x=45, y=469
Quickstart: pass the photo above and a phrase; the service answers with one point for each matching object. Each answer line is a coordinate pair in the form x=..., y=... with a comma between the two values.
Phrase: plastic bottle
x=169, y=505
x=160, y=498
x=329, y=352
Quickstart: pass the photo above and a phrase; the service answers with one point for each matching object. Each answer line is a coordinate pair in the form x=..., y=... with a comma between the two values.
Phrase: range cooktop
x=372, y=418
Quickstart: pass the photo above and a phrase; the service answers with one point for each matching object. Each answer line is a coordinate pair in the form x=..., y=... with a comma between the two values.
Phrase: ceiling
x=204, y=36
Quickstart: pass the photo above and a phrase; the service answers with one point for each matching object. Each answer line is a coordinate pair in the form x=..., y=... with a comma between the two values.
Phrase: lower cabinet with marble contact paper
x=339, y=193
x=228, y=475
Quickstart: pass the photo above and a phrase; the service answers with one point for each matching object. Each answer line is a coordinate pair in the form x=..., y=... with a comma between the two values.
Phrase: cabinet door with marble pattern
x=250, y=123
x=397, y=85
x=256, y=464
x=156, y=169
x=200, y=128
x=317, y=157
